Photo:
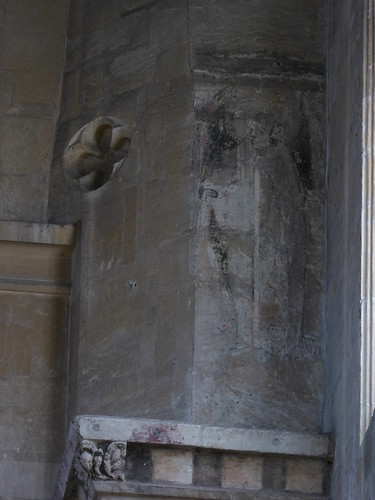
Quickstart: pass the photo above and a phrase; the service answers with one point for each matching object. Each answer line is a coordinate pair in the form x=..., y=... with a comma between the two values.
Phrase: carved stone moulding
x=95, y=153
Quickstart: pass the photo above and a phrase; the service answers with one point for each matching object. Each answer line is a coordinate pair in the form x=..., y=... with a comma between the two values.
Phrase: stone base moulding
x=107, y=458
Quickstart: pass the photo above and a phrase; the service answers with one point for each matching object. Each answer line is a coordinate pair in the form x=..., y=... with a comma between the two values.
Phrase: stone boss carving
x=100, y=462
x=95, y=153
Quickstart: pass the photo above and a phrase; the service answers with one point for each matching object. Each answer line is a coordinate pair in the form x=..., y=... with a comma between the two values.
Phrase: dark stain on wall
x=220, y=249
x=220, y=140
x=300, y=150
x=138, y=463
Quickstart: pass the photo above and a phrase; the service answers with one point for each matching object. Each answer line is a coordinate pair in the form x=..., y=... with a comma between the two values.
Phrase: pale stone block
x=32, y=262
x=172, y=466
x=129, y=73
x=34, y=86
x=26, y=146
x=304, y=476
x=26, y=196
x=242, y=472
x=31, y=338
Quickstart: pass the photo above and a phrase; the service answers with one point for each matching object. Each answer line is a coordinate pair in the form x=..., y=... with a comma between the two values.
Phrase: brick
x=242, y=472
x=26, y=141
x=304, y=476
x=172, y=466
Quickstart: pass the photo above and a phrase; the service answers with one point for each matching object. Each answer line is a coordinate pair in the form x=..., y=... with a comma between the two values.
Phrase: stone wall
x=201, y=273
x=119, y=457
x=134, y=298
x=258, y=164
x=35, y=268
x=32, y=36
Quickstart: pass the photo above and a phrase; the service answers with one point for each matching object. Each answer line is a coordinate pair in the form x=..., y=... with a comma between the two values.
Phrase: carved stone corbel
x=95, y=153
x=100, y=461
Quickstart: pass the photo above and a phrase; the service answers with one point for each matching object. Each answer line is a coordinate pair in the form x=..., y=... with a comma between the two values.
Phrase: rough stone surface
x=35, y=273
x=201, y=263
x=165, y=458
x=199, y=275
x=242, y=472
x=259, y=256
x=172, y=466
x=31, y=66
x=304, y=476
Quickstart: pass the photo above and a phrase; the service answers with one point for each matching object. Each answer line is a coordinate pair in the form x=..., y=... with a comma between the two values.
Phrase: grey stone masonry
x=116, y=457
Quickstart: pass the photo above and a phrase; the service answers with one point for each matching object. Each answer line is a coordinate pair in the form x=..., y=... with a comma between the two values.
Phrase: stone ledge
x=167, y=458
x=221, y=438
x=28, y=232
x=36, y=258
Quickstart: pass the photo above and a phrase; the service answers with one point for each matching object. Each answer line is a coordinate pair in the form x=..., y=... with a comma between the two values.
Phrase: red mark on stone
x=161, y=434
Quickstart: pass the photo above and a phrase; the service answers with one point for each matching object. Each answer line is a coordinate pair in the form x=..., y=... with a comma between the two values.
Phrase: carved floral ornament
x=95, y=153
x=100, y=461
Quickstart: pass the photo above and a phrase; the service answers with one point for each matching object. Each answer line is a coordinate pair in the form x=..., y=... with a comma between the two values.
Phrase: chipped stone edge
x=166, y=432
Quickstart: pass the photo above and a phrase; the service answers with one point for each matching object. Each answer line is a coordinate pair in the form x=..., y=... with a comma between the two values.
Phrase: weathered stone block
x=169, y=25
x=224, y=27
x=173, y=63
x=25, y=197
x=207, y=468
x=132, y=70
x=139, y=465
x=117, y=37
x=35, y=86
x=273, y=474
x=242, y=472
x=173, y=466
x=304, y=476
x=27, y=141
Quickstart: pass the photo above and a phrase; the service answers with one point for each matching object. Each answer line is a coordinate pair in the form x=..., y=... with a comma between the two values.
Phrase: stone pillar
x=200, y=292
x=201, y=283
